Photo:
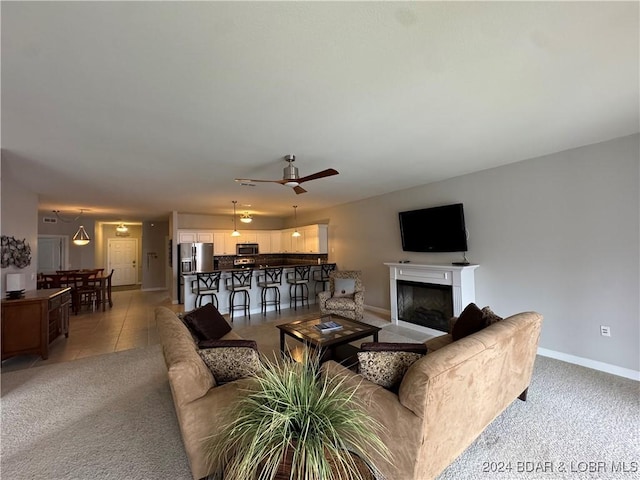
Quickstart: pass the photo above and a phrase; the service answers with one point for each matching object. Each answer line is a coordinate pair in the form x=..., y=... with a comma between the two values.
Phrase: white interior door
x=123, y=259
x=52, y=253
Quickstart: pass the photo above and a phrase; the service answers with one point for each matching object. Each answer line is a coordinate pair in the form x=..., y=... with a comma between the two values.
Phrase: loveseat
x=198, y=400
x=449, y=396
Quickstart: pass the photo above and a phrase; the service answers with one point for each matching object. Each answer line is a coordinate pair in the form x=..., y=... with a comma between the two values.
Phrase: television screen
x=436, y=229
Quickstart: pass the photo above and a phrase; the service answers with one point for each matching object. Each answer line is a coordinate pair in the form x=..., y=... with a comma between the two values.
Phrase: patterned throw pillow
x=344, y=287
x=231, y=363
x=489, y=316
x=386, y=368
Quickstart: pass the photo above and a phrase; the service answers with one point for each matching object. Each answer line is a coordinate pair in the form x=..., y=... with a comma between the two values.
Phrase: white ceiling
x=133, y=110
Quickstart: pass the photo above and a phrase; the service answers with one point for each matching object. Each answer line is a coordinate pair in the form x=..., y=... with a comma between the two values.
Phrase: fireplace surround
x=424, y=297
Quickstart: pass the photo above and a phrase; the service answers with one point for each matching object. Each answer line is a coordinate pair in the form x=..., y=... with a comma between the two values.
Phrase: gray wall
x=154, y=261
x=79, y=256
x=19, y=220
x=557, y=234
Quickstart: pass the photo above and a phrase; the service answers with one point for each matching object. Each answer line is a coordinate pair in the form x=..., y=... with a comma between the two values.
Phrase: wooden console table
x=31, y=323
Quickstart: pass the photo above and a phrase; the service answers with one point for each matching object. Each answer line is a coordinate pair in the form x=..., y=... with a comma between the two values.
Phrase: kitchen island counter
x=254, y=292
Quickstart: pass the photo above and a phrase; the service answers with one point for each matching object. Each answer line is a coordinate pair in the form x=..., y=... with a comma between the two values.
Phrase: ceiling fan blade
x=298, y=189
x=324, y=173
x=253, y=180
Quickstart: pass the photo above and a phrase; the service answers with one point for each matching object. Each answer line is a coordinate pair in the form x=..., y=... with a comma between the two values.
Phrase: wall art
x=15, y=252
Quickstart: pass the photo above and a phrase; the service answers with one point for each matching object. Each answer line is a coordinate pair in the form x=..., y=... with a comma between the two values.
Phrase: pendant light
x=246, y=218
x=235, y=232
x=81, y=237
x=122, y=228
x=295, y=233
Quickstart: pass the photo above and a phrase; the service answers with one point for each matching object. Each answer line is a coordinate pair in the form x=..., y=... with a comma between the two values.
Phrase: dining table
x=90, y=282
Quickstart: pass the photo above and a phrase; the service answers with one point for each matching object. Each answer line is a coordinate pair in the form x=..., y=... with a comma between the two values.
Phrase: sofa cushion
x=470, y=321
x=489, y=316
x=344, y=287
x=340, y=303
x=206, y=322
x=231, y=361
x=386, y=363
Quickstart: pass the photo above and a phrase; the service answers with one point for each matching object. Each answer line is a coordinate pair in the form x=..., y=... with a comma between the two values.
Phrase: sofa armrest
x=401, y=431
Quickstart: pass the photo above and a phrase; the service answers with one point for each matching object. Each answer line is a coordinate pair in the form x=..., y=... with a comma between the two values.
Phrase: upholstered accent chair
x=342, y=301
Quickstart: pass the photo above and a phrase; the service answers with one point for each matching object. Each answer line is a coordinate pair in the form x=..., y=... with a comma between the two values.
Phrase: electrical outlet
x=605, y=330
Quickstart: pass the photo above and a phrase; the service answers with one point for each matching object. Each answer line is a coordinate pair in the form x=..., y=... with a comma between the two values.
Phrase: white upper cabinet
x=276, y=241
x=219, y=245
x=312, y=239
x=315, y=239
x=195, y=236
x=264, y=242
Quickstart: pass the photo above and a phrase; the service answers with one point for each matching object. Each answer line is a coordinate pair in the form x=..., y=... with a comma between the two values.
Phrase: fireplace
x=425, y=297
x=425, y=304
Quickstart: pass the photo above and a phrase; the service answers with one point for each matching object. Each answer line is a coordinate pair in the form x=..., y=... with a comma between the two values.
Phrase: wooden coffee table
x=335, y=344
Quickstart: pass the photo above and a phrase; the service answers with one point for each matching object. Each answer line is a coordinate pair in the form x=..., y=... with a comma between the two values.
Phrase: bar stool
x=298, y=281
x=206, y=284
x=271, y=279
x=321, y=277
x=239, y=282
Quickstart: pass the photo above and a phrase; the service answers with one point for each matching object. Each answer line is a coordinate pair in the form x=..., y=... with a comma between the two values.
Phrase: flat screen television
x=436, y=229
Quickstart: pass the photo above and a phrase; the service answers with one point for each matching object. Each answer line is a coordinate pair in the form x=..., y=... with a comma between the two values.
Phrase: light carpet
x=112, y=417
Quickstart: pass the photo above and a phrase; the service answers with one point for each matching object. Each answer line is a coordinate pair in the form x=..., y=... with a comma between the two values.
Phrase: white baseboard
x=594, y=364
x=382, y=311
x=565, y=357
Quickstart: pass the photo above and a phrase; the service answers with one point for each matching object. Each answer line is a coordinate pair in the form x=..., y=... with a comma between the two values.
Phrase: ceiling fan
x=290, y=177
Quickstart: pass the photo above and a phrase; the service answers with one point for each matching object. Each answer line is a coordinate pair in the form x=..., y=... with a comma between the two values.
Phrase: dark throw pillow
x=207, y=323
x=470, y=321
x=386, y=363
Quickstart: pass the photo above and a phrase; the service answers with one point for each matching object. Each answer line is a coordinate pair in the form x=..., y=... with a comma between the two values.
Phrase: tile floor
x=131, y=324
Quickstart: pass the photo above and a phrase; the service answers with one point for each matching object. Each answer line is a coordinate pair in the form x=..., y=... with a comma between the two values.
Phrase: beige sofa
x=198, y=401
x=449, y=396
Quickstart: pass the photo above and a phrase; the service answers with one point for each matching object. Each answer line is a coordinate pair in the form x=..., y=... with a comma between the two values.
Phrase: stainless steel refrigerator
x=193, y=257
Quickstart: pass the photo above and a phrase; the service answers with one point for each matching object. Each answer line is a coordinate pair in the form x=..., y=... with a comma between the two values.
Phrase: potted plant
x=296, y=424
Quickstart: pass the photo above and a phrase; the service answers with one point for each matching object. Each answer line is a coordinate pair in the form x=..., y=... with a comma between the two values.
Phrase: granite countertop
x=258, y=267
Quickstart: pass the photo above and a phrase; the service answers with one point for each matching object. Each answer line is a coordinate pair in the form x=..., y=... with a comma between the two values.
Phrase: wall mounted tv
x=436, y=229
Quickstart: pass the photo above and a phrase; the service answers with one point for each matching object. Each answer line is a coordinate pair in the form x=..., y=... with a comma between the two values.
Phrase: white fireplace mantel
x=460, y=278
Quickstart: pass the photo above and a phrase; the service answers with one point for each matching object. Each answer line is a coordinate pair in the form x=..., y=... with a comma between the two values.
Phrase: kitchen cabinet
x=291, y=244
x=276, y=241
x=31, y=323
x=247, y=237
x=218, y=242
x=315, y=239
x=230, y=244
x=195, y=236
x=264, y=242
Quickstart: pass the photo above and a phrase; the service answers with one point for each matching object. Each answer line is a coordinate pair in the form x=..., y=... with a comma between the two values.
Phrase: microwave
x=246, y=249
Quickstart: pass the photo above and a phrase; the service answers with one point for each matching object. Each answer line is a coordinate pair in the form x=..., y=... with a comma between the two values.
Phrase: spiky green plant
x=292, y=410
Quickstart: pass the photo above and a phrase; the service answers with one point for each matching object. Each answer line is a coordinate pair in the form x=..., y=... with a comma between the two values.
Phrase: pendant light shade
x=122, y=228
x=246, y=218
x=81, y=237
x=295, y=233
x=235, y=232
